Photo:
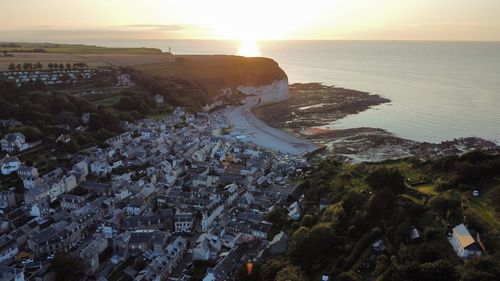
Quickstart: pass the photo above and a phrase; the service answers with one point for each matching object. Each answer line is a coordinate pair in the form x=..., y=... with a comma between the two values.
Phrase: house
x=378, y=246
x=14, y=142
x=209, y=216
x=324, y=203
x=202, y=251
x=11, y=274
x=207, y=246
x=72, y=202
x=226, y=265
x=100, y=168
x=183, y=222
x=162, y=266
x=141, y=241
x=279, y=244
x=294, y=211
x=90, y=249
x=159, y=99
x=8, y=248
x=463, y=242
x=63, y=139
x=7, y=199
x=40, y=209
x=414, y=235
x=9, y=164
x=29, y=175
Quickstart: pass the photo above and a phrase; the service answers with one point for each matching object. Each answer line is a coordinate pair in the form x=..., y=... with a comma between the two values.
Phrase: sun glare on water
x=249, y=48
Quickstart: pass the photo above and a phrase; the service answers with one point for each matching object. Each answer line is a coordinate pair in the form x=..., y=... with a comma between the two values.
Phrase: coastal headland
x=262, y=107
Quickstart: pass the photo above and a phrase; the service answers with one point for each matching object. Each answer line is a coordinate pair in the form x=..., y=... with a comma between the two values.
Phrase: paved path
x=243, y=120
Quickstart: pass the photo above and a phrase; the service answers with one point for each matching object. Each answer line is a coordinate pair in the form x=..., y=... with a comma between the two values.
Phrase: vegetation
x=384, y=201
x=69, y=268
x=72, y=49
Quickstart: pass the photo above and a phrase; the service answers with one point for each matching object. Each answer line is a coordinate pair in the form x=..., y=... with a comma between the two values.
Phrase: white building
x=14, y=142
x=464, y=243
x=9, y=164
x=183, y=222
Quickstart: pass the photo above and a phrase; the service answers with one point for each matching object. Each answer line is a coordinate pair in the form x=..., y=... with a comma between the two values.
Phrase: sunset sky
x=63, y=20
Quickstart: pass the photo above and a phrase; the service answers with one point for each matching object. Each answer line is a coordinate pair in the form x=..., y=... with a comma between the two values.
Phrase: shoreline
x=311, y=106
x=244, y=121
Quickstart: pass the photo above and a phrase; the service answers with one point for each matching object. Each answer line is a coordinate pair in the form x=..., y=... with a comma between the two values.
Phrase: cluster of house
x=10, y=143
x=157, y=191
x=50, y=77
x=124, y=80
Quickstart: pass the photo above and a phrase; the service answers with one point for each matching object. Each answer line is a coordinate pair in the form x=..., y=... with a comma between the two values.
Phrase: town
x=150, y=202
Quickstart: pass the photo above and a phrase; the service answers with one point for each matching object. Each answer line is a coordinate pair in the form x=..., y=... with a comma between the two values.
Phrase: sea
x=438, y=90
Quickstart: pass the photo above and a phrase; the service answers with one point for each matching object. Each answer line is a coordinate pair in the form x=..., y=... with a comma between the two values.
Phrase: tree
x=334, y=214
x=278, y=217
x=407, y=272
x=31, y=133
x=19, y=66
x=271, y=268
x=299, y=247
x=69, y=268
x=382, y=263
x=61, y=66
x=480, y=269
x=38, y=65
x=382, y=205
x=254, y=275
x=68, y=65
x=386, y=178
x=290, y=273
x=50, y=65
x=308, y=220
x=348, y=276
x=494, y=197
x=441, y=270
x=443, y=204
x=12, y=66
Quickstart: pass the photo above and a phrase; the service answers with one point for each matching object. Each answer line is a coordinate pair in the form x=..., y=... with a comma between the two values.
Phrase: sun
x=249, y=48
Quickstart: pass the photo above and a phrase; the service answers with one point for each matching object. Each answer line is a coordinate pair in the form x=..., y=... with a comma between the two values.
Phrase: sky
x=79, y=20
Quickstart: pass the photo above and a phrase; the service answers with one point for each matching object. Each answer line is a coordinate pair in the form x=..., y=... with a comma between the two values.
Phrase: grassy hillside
x=385, y=201
x=193, y=80
x=219, y=70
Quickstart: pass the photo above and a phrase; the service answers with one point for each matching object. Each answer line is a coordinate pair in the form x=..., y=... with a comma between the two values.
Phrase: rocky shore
x=314, y=105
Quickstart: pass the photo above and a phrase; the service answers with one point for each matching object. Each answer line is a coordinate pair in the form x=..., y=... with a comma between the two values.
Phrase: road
x=243, y=120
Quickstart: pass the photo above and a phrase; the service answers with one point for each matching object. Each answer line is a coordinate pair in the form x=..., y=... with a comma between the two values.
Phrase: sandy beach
x=244, y=121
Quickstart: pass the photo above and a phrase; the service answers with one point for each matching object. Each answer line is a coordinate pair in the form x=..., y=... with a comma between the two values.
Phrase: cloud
x=139, y=31
x=165, y=27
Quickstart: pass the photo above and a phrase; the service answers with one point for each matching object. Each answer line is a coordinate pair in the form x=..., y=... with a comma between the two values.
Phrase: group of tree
x=374, y=201
x=60, y=66
x=25, y=66
x=50, y=66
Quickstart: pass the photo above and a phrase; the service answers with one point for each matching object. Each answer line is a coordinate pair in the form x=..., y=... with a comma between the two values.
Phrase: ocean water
x=439, y=90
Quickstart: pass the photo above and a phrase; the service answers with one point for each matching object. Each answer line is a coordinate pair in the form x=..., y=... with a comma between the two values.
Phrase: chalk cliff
x=275, y=92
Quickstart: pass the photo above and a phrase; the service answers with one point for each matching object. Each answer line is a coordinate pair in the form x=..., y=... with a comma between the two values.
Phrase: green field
x=77, y=49
x=109, y=101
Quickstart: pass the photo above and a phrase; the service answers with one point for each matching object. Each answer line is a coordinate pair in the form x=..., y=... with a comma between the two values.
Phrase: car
x=26, y=261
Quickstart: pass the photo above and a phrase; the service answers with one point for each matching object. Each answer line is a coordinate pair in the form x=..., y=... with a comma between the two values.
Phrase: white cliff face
x=272, y=93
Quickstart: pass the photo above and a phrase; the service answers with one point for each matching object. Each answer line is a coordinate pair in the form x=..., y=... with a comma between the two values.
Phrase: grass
x=486, y=212
x=426, y=189
x=80, y=49
x=414, y=199
x=109, y=101
x=158, y=116
x=362, y=258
